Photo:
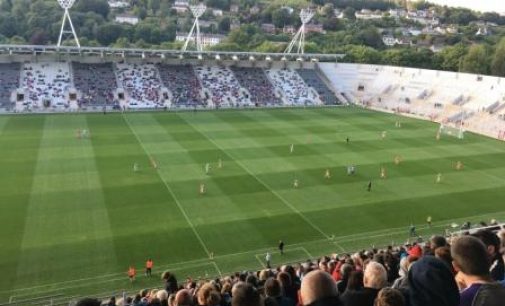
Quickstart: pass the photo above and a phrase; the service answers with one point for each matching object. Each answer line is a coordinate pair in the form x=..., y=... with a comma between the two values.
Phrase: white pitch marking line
x=260, y=261
x=170, y=191
x=358, y=236
x=294, y=209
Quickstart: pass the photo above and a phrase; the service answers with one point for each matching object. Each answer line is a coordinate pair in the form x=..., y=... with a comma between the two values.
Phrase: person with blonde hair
x=208, y=295
x=389, y=297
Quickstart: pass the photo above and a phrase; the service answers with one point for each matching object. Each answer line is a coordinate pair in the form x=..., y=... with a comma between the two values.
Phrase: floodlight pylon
x=298, y=40
x=198, y=11
x=66, y=5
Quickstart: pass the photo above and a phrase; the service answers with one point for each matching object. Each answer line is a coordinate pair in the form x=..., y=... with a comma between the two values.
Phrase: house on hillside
x=268, y=28
x=127, y=18
x=181, y=6
x=234, y=8
x=115, y=4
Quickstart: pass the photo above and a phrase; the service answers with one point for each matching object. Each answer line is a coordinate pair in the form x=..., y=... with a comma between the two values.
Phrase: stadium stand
x=417, y=273
x=293, y=88
x=313, y=80
x=95, y=83
x=46, y=85
x=224, y=88
x=477, y=103
x=183, y=83
x=257, y=83
x=473, y=101
x=9, y=82
x=142, y=84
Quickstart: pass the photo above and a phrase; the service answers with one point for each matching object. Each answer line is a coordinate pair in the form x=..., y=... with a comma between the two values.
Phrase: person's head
x=243, y=294
x=490, y=240
x=470, y=256
x=317, y=285
x=345, y=271
x=389, y=297
x=226, y=289
x=88, y=302
x=285, y=279
x=437, y=241
x=264, y=274
x=252, y=279
x=444, y=254
x=431, y=282
x=375, y=276
x=162, y=295
x=170, y=301
x=208, y=295
x=273, y=287
x=355, y=281
x=183, y=298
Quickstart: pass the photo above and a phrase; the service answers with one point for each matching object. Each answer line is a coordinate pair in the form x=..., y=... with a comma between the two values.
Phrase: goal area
x=451, y=131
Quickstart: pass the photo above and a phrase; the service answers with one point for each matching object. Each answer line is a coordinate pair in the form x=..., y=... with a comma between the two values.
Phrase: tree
x=498, y=60
x=349, y=13
x=331, y=24
x=109, y=33
x=370, y=37
x=281, y=17
x=476, y=60
x=224, y=25
x=8, y=26
x=154, y=6
x=270, y=47
x=98, y=6
x=362, y=54
x=450, y=58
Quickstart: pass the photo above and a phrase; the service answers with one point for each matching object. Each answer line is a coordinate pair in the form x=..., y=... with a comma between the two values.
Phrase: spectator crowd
x=466, y=270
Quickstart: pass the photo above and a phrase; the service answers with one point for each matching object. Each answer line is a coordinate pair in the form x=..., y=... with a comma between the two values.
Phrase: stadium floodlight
x=298, y=40
x=198, y=11
x=66, y=5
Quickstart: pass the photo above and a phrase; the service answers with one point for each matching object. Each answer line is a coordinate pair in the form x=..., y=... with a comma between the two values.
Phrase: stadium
x=244, y=170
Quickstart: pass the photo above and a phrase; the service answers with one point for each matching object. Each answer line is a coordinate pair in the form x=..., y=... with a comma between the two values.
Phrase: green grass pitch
x=74, y=214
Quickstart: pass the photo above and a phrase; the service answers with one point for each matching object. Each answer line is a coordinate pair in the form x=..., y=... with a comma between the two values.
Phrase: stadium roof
x=163, y=54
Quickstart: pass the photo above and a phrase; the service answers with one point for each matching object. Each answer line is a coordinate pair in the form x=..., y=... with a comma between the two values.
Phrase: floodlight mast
x=66, y=5
x=298, y=40
x=198, y=11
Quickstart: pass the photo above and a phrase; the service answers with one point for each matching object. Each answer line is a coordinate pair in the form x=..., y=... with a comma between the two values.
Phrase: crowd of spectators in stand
x=224, y=88
x=9, y=81
x=47, y=84
x=256, y=82
x=466, y=270
x=183, y=83
x=292, y=86
x=141, y=82
x=313, y=80
x=95, y=82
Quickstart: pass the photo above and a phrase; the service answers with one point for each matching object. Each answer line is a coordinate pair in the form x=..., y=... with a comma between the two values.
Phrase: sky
x=479, y=5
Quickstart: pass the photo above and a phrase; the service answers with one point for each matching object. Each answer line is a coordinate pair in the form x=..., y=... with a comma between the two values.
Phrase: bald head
x=317, y=285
